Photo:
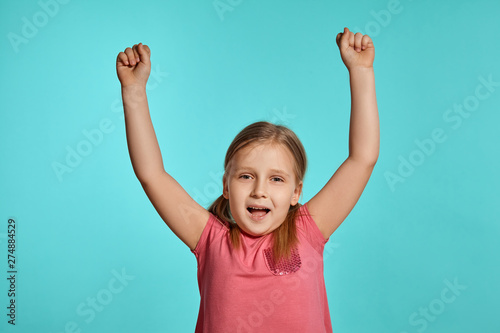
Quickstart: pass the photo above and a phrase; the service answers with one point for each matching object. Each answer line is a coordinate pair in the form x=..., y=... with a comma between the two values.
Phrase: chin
x=255, y=232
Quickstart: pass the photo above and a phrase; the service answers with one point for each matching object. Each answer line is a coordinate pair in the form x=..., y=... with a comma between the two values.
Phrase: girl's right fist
x=133, y=65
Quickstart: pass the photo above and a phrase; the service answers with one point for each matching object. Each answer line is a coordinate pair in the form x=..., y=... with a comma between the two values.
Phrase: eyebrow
x=280, y=171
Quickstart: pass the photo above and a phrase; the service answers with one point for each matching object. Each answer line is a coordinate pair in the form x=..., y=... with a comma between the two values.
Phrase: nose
x=259, y=189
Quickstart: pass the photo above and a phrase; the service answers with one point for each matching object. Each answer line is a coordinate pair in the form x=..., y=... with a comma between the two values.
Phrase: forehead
x=264, y=156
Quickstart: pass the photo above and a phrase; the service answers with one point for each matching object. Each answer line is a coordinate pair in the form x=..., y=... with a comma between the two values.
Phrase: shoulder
x=308, y=229
x=215, y=226
x=214, y=229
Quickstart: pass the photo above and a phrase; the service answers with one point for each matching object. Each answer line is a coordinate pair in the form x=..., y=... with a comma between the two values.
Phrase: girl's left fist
x=356, y=50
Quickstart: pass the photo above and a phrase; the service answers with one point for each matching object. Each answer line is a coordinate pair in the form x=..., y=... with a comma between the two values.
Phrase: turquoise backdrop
x=419, y=252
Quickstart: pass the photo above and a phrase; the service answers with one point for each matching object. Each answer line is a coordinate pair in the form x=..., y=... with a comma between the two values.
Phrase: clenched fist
x=133, y=66
x=356, y=50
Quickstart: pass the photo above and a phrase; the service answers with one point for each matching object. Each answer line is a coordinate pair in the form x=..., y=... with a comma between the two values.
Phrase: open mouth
x=258, y=212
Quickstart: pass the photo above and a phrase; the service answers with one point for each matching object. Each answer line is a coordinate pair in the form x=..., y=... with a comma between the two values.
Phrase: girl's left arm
x=330, y=206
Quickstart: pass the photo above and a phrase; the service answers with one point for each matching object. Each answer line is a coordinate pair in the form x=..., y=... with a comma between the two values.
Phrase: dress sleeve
x=308, y=227
x=213, y=229
x=199, y=249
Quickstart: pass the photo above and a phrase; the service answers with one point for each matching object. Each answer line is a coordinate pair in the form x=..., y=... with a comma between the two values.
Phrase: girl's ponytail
x=220, y=208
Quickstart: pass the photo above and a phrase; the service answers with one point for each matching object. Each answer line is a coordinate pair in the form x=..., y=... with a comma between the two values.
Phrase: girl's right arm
x=184, y=216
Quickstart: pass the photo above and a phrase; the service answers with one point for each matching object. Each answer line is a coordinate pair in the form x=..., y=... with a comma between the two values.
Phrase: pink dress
x=246, y=290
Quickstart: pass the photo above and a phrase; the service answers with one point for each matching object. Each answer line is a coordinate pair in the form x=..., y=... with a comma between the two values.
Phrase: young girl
x=259, y=252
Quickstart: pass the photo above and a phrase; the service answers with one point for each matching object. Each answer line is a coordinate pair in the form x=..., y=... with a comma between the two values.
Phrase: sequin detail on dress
x=283, y=266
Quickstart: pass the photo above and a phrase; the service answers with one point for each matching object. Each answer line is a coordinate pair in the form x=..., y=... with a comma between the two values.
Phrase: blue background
x=83, y=220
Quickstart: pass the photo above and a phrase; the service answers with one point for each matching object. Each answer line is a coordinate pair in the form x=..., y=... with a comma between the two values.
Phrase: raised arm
x=184, y=216
x=337, y=198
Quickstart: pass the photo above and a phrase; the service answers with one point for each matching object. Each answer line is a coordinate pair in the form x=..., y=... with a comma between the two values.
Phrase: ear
x=225, y=188
x=296, y=194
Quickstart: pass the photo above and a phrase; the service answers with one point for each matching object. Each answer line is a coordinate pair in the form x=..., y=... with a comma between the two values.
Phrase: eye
x=245, y=177
x=278, y=179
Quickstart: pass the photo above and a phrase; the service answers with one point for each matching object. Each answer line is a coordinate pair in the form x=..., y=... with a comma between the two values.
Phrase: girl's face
x=260, y=187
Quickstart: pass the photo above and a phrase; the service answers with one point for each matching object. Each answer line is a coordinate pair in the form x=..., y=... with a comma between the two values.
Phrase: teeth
x=258, y=208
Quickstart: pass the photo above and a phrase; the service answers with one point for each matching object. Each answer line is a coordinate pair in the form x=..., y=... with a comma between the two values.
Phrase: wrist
x=134, y=94
x=133, y=87
x=133, y=91
x=360, y=69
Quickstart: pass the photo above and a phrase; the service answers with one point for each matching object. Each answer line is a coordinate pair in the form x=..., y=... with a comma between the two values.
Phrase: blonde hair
x=262, y=132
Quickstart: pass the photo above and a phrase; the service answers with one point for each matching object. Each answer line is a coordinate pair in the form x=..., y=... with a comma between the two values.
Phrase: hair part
x=263, y=132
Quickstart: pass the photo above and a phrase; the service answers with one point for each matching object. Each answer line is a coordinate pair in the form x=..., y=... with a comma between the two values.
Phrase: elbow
x=149, y=178
x=366, y=154
x=368, y=159
x=372, y=160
